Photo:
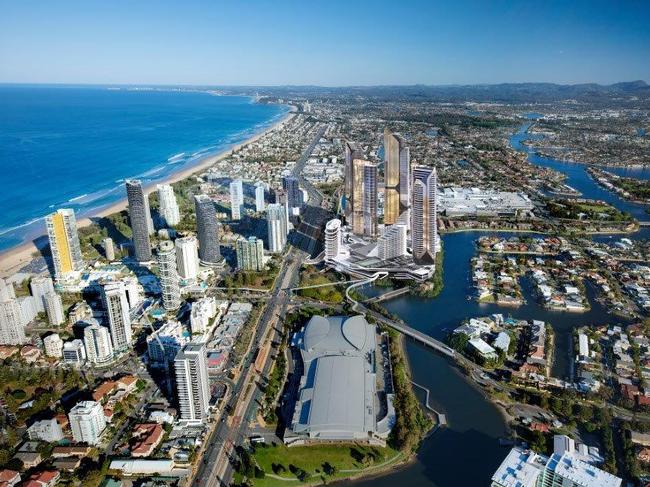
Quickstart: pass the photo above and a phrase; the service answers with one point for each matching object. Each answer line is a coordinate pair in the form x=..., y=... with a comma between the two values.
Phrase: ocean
x=73, y=147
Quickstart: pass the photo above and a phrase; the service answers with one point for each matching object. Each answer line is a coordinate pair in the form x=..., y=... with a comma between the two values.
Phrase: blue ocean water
x=74, y=146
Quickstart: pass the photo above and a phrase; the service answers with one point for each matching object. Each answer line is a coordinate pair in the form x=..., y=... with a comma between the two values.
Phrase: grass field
x=319, y=463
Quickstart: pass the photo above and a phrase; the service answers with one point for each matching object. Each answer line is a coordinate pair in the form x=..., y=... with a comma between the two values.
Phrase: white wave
x=77, y=198
x=4, y=231
x=177, y=157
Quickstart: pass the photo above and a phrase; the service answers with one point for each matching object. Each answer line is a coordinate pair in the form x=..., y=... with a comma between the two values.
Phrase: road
x=215, y=468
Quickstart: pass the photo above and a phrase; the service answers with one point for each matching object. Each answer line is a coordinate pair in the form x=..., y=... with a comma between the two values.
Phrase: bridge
x=403, y=328
x=644, y=224
x=388, y=295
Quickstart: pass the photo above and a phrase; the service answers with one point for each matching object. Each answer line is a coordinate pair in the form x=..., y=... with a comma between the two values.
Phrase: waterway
x=467, y=451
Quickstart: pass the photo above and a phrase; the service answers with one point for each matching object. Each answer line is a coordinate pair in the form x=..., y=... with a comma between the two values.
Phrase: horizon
x=210, y=86
x=288, y=44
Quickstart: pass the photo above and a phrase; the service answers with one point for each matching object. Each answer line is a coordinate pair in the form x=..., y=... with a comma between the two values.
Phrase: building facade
x=64, y=242
x=140, y=219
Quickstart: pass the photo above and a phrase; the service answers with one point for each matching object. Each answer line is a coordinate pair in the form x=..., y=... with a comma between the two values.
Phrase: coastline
x=13, y=259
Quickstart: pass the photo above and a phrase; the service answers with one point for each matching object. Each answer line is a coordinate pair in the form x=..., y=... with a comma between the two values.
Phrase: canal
x=467, y=451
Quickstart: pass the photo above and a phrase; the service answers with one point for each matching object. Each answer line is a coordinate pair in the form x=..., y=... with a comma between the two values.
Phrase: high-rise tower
x=396, y=176
x=192, y=383
x=276, y=219
x=236, y=199
x=140, y=218
x=207, y=228
x=117, y=310
x=424, y=224
x=168, y=205
x=64, y=242
x=171, y=292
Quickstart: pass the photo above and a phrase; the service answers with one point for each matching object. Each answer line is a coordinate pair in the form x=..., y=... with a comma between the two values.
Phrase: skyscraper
x=97, y=341
x=171, y=292
x=187, y=257
x=424, y=225
x=294, y=194
x=40, y=286
x=54, y=308
x=250, y=254
x=364, y=198
x=332, y=239
x=139, y=216
x=352, y=152
x=117, y=310
x=370, y=200
x=236, y=199
x=396, y=176
x=276, y=219
x=191, y=369
x=260, y=204
x=64, y=242
x=168, y=205
x=207, y=228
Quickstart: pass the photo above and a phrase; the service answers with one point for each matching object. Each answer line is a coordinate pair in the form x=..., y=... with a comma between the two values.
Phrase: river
x=466, y=451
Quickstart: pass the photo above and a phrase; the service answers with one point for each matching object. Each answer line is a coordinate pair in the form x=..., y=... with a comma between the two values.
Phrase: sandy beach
x=12, y=260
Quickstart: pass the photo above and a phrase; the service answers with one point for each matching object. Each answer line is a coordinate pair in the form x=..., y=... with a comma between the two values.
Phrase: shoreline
x=14, y=258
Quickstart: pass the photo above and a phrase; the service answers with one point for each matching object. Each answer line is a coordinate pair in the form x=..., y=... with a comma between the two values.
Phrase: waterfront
x=475, y=424
x=74, y=146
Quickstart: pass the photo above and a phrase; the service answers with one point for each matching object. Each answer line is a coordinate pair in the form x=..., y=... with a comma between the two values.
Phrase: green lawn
x=316, y=461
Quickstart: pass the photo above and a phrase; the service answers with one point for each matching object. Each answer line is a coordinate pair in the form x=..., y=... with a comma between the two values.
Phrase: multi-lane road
x=214, y=468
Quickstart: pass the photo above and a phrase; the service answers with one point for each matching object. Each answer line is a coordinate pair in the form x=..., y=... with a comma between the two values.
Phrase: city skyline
x=430, y=43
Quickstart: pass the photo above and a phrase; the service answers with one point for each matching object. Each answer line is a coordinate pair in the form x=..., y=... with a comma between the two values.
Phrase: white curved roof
x=354, y=330
x=316, y=331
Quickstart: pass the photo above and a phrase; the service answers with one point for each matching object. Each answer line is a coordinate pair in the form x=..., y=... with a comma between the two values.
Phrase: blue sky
x=333, y=43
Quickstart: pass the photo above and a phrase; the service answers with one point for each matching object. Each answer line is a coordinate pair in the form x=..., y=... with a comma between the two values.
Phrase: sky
x=327, y=43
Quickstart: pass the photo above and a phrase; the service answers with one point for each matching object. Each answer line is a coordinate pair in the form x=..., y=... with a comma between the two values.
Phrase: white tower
x=54, y=308
x=171, y=293
x=192, y=383
x=276, y=218
x=332, y=239
x=119, y=320
x=187, y=257
x=236, y=199
x=168, y=205
x=97, y=340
